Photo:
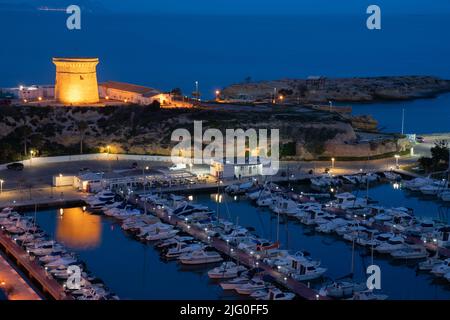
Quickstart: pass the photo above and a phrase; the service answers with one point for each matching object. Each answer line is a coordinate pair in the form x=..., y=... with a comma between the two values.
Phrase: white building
x=31, y=93
x=132, y=93
x=229, y=170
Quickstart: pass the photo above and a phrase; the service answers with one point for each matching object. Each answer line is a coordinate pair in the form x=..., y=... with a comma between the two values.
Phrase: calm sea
x=168, y=51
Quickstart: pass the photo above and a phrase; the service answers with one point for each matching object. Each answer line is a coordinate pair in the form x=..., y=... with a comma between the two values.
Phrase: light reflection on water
x=77, y=229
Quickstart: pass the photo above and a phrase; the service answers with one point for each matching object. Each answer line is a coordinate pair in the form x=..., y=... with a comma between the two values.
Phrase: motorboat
x=302, y=269
x=410, y=253
x=234, y=283
x=182, y=248
x=200, y=257
x=61, y=262
x=417, y=183
x=277, y=294
x=393, y=244
x=342, y=289
x=429, y=264
x=392, y=176
x=441, y=269
x=251, y=286
x=226, y=270
x=332, y=225
x=265, y=202
x=368, y=295
x=161, y=234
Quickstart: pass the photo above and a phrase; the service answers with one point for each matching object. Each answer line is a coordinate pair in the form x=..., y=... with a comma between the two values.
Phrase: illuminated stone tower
x=76, y=80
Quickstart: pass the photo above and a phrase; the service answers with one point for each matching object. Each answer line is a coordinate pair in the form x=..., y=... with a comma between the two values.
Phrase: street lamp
x=217, y=95
x=332, y=163
x=1, y=186
x=31, y=156
x=396, y=160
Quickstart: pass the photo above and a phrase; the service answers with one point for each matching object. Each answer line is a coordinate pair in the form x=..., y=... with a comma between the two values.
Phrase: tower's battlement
x=76, y=80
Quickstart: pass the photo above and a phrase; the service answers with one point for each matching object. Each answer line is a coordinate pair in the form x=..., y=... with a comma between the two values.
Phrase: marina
x=292, y=235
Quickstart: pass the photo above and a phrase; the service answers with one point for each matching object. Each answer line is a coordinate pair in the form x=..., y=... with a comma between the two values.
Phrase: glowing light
x=61, y=211
x=40, y=98
x=191, y=198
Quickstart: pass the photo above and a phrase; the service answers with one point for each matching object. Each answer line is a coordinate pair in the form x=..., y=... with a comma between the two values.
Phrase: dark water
x=135, y=271
x=421, y=116
x=2, y=296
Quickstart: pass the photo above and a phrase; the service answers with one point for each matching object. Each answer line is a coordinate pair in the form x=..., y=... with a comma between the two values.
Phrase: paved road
x=40, y=176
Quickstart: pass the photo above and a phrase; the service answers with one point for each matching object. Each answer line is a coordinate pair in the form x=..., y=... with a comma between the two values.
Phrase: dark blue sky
x=253, y=6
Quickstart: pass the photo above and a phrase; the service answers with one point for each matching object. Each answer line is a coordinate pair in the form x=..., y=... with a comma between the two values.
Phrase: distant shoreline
x=341, y=90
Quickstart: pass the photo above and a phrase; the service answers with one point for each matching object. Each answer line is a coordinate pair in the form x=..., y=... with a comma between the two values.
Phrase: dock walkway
x=33, y=270
x=19, y=288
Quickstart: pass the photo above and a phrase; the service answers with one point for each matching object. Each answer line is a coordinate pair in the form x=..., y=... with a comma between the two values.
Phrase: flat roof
x=145, y=91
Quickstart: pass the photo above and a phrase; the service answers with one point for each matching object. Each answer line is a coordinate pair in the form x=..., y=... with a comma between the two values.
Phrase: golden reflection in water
x=78, y=229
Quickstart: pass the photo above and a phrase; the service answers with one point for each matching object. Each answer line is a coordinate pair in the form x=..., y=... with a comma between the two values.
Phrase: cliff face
x=345, y=89
x=143, y=130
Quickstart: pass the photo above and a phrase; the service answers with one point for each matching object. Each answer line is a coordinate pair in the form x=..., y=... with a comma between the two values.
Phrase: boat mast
x=403, y=120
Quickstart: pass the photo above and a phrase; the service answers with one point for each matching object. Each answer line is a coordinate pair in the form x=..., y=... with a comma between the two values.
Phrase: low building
x=230, y=170
x=131, y=93
x=31, y=93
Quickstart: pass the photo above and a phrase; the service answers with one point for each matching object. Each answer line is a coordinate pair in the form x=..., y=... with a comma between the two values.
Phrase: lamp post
x=332, y=163
x=396, y=160
x=1, y=185
x=31, y=157
x=217, y=95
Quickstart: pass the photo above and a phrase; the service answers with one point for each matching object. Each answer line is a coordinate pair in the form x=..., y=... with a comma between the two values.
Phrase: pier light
x=396, y=185
x=235, y=198
x=40, y=98
x=232, y=250
x=228, y=241
x=425, y=241
x=15, y=239
x=107, y=97
x=189, y=227
x=332, y=162
x=3, y=283
x=28, y=251
x=251, y=253
x=46, y=268
x=279, y=267
x=435, y=240
x=317, y=296
x=61, y=211
x=209, y=238
x=285, y=278
x=191, y=198
x=25, y=100
x=257, y=263
x=170, y=217
x=206, y=229
x=1, y=185
x=332, y=189
x=186, y=219
x=84, y=208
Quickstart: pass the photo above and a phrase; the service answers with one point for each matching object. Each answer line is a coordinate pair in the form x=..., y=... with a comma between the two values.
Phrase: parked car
x=420, y=139
x=15, y=166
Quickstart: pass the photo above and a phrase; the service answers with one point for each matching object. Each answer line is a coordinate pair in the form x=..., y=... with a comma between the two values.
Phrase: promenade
x=14, y=284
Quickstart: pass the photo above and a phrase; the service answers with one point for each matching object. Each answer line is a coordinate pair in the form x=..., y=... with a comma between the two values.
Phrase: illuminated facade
x=76, y=80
